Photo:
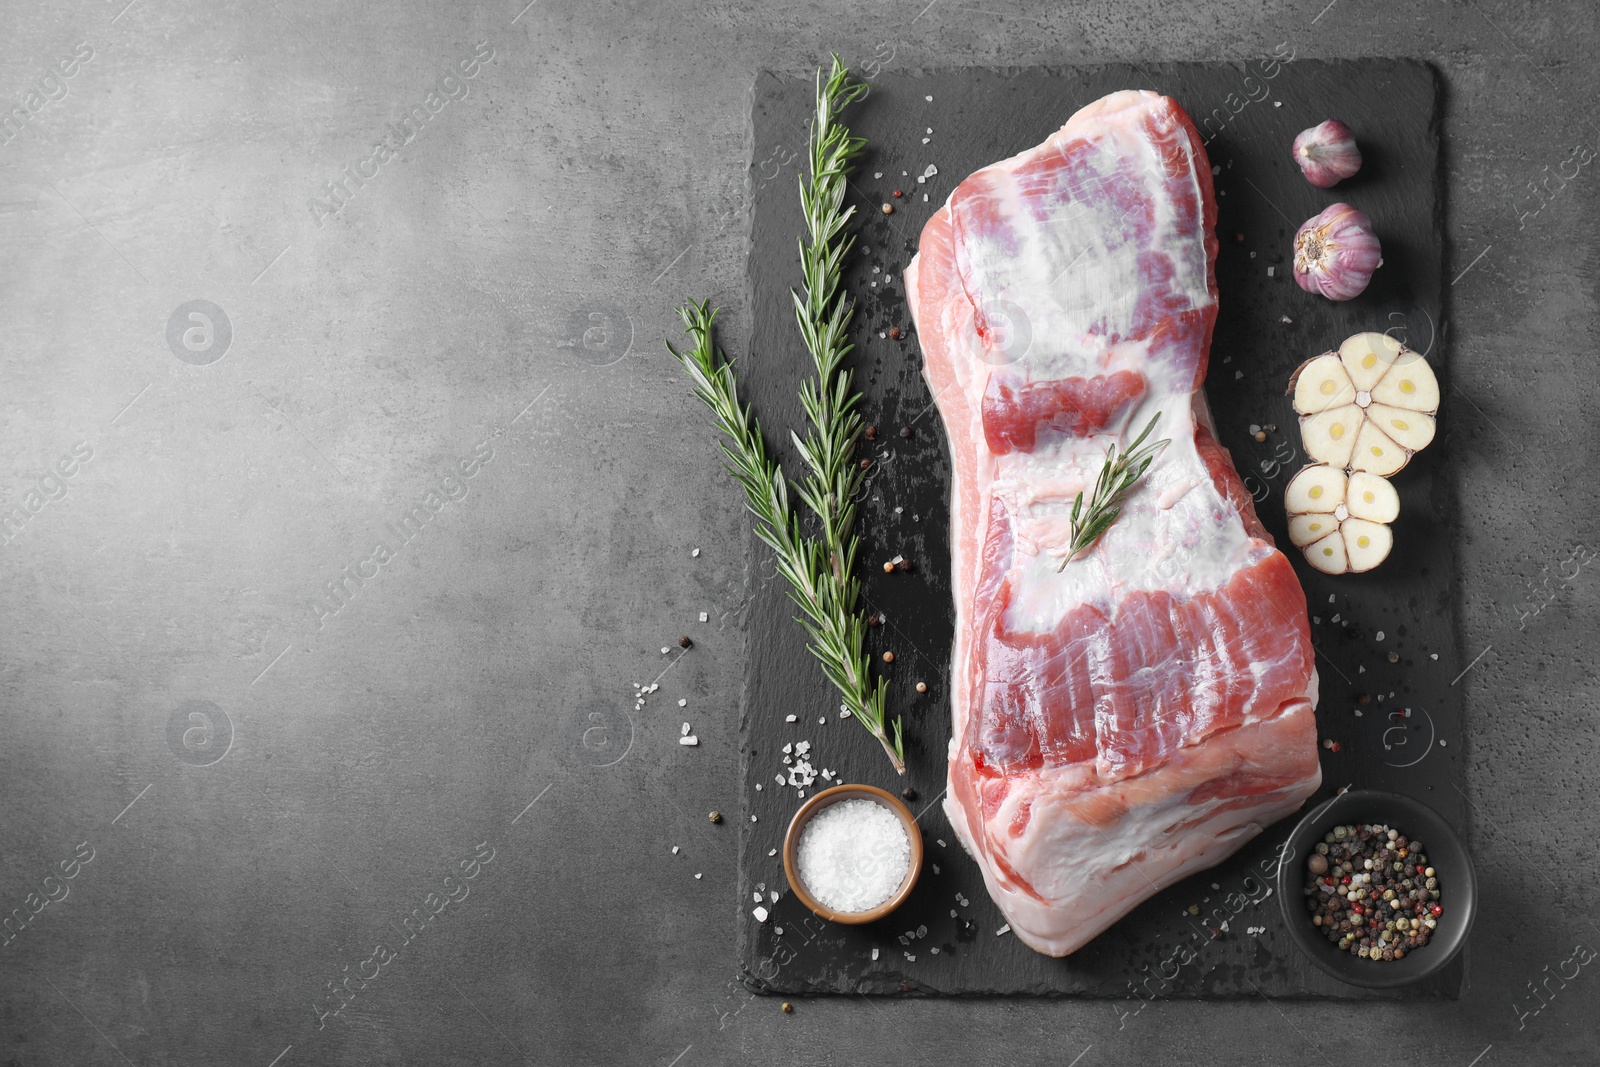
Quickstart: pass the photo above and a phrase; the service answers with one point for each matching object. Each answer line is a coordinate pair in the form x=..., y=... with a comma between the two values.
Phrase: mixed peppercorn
x=1372, y=892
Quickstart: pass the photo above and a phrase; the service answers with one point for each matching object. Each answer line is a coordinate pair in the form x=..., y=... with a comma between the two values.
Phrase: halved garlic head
x=1367, y=407
x=1340, y=520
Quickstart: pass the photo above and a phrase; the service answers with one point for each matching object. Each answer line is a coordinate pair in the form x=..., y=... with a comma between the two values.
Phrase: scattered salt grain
x=674, y=850
x=875, y=951
x=705, y=616
x=772, y=852
x=760, y=914
x=772, y=894
x=689, y=741
x=1433, y=655
x=1380, y=635
x=1006, y=929
x=1277, y=103
x=940, y=842
x=683, y=702
x=758, y=787
x=1271, y=271
x=877, y=174
x=685, y=731
x=853, y=855
x=1289, y=321
x=665, y=650
x=791, y=718
x=695, y=554
x=697, y=876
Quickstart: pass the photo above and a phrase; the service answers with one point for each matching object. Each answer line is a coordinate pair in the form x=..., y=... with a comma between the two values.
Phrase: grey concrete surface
x=251, y=790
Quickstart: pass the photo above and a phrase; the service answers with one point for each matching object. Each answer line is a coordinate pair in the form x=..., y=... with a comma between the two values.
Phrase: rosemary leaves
x=820, y=570
x=1118, y=477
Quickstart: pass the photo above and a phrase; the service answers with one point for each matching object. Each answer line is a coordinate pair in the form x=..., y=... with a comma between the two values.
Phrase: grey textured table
x=278, y=763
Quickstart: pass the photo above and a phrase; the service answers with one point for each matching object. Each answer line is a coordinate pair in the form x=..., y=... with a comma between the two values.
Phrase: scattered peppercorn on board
x=1387, y=639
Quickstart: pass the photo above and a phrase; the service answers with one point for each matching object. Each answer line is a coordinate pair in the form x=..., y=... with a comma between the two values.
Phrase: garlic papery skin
x=1336, y=252
x=1327, y=153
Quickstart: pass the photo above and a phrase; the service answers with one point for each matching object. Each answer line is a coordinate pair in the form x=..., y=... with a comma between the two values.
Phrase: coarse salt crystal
x=685, y=730
x=791, y=718
x=674, y=850
x=758, y=787
x=772, y=852
x=697, y=876
x=1006, y=929
x=875, y=951
x=665, y=650
x=689, y=741
x=853, y=855
x=760, y=913
x=705, y=616
x=1380, y=635
x=695, y=554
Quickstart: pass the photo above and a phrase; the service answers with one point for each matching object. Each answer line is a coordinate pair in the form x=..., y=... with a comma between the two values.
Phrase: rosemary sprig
x=837, y=631
x=1119, y=474
x=823, y=313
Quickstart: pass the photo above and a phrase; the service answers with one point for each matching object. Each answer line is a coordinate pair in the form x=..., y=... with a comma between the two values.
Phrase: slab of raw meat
x=1138, y=715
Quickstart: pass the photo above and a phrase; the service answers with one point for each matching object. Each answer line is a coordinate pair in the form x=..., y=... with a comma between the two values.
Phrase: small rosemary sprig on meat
x=1119, y=474
x=836, y=629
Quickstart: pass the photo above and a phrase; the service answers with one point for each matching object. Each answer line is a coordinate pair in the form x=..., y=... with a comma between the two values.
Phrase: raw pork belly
x=1138, y=715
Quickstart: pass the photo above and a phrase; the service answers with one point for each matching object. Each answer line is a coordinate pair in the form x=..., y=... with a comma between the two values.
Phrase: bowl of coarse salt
x=852, y=853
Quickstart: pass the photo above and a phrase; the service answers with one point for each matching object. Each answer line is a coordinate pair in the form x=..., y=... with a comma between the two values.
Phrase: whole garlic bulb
x=1336, y=252
x=1327, y=153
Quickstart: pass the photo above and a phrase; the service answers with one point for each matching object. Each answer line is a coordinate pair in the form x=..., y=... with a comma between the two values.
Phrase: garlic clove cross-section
x=1340, y=520
x=1367, y=407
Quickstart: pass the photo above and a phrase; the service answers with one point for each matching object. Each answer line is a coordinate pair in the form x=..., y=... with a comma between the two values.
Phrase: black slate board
x=1248, y=112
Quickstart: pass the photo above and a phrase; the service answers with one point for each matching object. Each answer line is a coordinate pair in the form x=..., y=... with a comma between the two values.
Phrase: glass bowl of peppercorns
x=1377, y=889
